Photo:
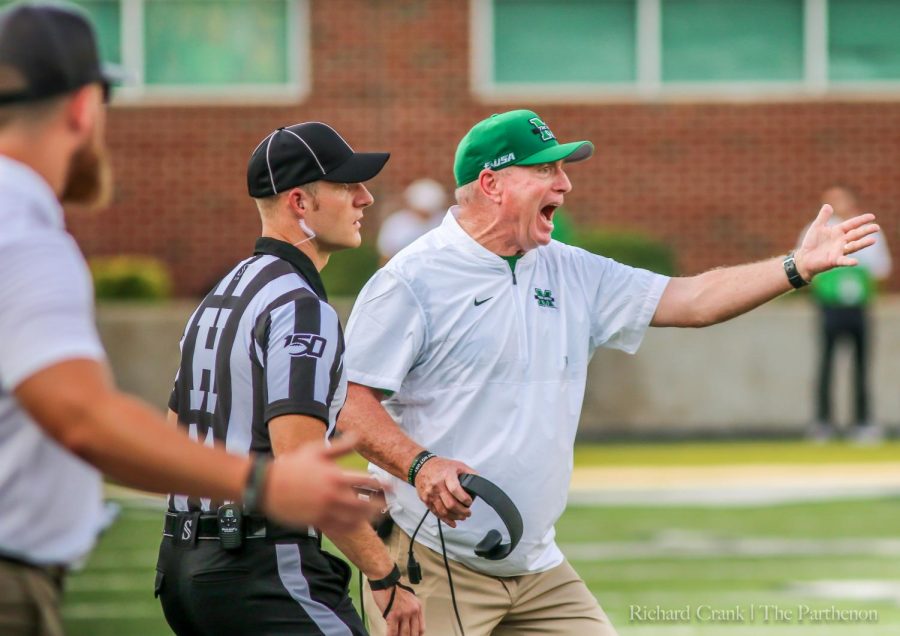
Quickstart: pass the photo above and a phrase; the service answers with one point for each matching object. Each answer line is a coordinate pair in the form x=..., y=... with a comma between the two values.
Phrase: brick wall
x=722, y=183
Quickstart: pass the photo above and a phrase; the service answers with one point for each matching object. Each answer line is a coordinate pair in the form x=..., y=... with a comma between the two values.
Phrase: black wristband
x=256, y=481
x=390, y=580
x=793, y=275
x=416, y=466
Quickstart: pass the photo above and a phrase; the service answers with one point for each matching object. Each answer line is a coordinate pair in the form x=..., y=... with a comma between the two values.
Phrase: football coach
x=62, y=421
x=480, y=333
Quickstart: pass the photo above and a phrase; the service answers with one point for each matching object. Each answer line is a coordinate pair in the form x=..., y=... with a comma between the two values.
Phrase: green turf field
x=703, y=561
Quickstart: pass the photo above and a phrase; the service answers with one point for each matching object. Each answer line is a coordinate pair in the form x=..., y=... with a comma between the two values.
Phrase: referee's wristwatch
x=392, y=579
x=390, y=582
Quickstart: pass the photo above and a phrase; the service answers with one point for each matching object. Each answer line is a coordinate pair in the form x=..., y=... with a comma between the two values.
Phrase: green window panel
x=216, y=42
x=732, y=40
x=864, y=40
x=548, y=41
x=105, y=16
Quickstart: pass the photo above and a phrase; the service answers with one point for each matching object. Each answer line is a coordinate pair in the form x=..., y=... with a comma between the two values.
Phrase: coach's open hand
x=406, y=617
x=438, y=486
x=307, y=487
x=827, y=246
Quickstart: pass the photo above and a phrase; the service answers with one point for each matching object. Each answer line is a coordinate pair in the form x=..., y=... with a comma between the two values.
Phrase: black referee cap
x=307, y=152
x=48, y=50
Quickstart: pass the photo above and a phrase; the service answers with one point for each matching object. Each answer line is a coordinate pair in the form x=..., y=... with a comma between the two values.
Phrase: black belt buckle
x=231, y=526
x=187, y=529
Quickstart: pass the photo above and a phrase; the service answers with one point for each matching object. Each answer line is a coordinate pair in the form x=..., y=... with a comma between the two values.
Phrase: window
x=548, y=50
x=590, y=41
x=201, y=43
x=863, y=40
x=200, y=50
x=732, y=40
x=106, y=16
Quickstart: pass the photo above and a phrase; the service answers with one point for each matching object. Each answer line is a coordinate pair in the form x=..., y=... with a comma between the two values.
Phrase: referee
x=262, y=372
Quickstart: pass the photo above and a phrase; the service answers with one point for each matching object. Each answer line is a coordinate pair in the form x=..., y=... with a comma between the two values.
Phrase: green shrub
x=630, y=248
x=130, y=278
x=349, y=270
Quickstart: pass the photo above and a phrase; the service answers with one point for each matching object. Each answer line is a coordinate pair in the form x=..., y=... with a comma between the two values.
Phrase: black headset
x=491, y=547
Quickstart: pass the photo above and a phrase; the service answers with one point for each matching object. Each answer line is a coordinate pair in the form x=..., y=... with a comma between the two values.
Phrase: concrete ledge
x=753, y=375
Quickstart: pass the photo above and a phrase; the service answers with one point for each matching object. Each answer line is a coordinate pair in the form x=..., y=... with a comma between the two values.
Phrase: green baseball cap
x=514, y=138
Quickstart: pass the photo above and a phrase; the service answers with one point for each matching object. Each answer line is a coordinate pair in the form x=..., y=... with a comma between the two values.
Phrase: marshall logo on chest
x=544, y=298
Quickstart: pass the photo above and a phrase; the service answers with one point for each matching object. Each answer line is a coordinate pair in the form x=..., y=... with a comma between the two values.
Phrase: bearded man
x=61, y=417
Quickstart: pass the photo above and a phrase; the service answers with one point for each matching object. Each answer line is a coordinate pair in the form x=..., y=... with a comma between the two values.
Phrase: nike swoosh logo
x=481, y=302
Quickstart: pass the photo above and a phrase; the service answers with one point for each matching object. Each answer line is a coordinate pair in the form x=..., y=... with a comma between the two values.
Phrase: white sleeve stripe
x=278, y=367
x=328, y=330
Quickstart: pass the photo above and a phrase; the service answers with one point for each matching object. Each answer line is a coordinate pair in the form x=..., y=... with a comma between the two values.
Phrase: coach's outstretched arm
x=76, y=403
x=382, y=442
x=722, y=294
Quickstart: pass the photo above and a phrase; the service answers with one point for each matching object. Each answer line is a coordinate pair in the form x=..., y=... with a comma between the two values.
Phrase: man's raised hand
x=828, y=246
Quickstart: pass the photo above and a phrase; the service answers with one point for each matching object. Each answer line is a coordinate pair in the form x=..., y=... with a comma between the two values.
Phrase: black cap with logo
x=307, y=152
x=48, y=50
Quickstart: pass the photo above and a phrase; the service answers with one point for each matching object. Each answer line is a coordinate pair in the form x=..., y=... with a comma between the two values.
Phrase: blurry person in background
x=843, y=296
x=425, y=201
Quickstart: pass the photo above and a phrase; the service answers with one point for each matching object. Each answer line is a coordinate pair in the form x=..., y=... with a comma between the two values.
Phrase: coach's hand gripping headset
x=491, y=547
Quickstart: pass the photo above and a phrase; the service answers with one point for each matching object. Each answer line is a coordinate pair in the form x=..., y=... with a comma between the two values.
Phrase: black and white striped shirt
x=263, y=343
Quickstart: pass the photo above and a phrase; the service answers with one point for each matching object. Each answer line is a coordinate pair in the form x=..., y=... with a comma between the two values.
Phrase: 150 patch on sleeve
x=305, y=344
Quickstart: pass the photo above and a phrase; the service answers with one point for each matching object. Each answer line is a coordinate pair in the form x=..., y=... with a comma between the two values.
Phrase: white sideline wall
x=755, y=374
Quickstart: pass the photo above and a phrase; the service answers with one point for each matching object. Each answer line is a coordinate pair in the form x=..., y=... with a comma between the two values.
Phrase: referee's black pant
x=838, y=324
x=265, y=588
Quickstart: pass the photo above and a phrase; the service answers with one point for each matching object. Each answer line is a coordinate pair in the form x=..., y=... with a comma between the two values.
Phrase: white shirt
x=50, y=501
x=490, y=370
x=876, y=258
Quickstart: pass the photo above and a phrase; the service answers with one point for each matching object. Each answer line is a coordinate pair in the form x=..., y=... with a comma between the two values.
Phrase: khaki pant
x=29, y=601
x=551, y=603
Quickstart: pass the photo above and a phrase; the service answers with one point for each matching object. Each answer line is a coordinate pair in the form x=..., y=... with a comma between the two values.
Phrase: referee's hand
x=306, y=487
x=406, y=617
x=438, y=486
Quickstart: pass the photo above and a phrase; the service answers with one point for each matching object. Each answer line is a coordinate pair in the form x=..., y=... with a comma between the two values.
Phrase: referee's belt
x=254, y=527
